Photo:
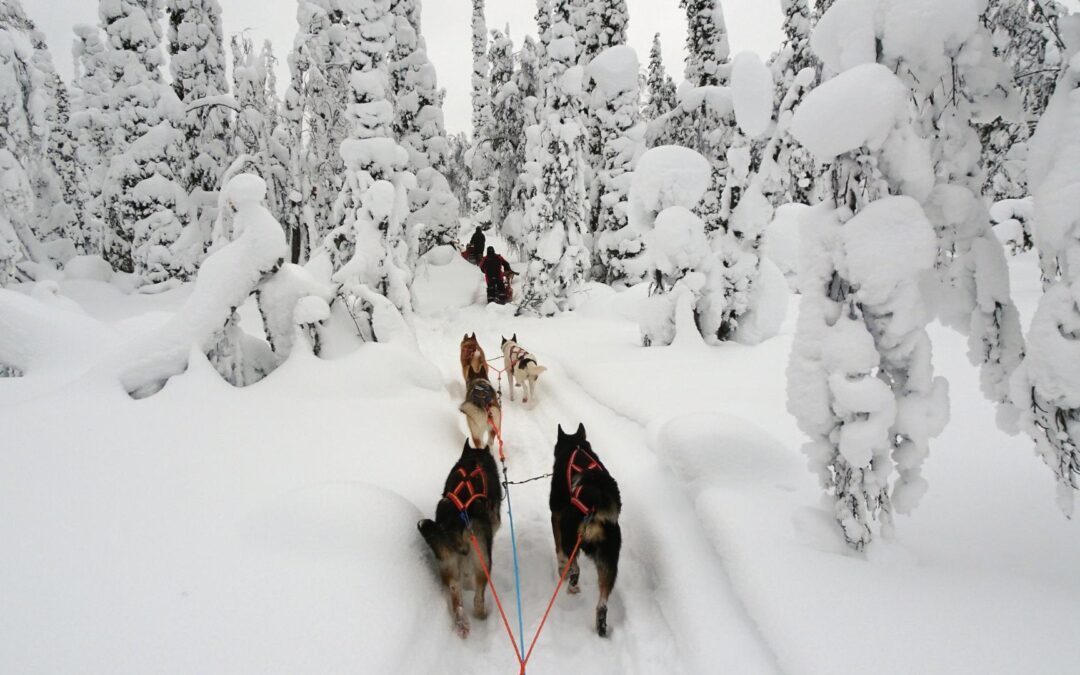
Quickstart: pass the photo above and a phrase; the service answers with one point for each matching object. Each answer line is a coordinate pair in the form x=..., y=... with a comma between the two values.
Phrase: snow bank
x=858, y=107
x=752, y=93
x=768, y=306
x=446, y=282
x=88, y=268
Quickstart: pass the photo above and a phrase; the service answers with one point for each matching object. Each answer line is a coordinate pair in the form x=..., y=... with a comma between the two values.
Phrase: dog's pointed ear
x=514, y=337
x=503, y=339
x=580, y=433
x=467, y=446
x=562, y=434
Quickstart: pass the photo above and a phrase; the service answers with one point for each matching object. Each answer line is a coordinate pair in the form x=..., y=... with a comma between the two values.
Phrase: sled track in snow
x=672, y=610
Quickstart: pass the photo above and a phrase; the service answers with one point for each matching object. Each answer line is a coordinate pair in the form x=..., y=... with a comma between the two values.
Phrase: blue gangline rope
x=517, y=573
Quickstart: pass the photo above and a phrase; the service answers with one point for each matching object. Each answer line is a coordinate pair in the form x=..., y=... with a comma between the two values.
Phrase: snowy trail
x=672, y=599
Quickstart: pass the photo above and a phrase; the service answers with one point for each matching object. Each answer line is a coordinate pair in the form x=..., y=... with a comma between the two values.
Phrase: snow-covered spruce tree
x=526, y=91
x=822, y=6
x=506, y=125
x=605, y=23
x=707, y=48
x=860, y=379
x=90, y=125
x=197, y=65
x=61, y=154
x=258, y=132
x=151, y=201
x=137, y=102
x=798, y=177
x=457, y=168
x=315, y=110
x=369, y=248
x=1046, y=385
x=28, y=108
x=481, y=184
x=616, y=104
x=419, y=127
x=555, y=221
x=662, y=97
x=955, y=79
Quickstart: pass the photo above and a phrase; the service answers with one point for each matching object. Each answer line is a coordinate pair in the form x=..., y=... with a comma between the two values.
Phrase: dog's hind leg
x=510, y=380
x=451, y=579
x=568, y=533
x=607, y=568
x=480, y=581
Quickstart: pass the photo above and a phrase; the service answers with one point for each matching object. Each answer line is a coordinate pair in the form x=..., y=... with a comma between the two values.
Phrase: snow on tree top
x=245, y=189
x=925, y=30
x=564, y=49
x=858, y=107
x=718, y=99
x=382, y=153
x=615, y=69
x=845, y=36
x=752, y=93
x=874, y=236
x=670, y=175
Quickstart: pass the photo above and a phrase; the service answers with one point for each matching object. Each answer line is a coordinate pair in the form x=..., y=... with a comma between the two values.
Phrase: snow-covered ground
x=272, y=528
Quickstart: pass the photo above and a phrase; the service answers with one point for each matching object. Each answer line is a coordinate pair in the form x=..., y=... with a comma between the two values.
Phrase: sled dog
x=481, y=403
x=472, y=488
x=473, y=362
x=521, y=367
x=585, y=502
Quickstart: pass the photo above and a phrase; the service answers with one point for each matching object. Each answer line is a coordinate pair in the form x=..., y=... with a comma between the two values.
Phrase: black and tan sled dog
x=585, y=502
x=472, y=488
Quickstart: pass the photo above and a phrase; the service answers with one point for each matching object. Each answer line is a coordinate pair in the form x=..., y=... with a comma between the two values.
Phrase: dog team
x=584, y=498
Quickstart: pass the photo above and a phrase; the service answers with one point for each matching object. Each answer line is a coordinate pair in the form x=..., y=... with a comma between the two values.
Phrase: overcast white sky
x=753, y=25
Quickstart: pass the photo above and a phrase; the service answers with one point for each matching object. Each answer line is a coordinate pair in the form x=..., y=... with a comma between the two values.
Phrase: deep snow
x=272, y=528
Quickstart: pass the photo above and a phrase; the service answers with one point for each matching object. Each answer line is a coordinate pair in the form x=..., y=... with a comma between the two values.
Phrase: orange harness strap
x=466, y=483
x=572, y=468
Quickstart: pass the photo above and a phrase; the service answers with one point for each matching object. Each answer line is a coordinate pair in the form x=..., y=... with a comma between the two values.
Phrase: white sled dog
x=521, y=367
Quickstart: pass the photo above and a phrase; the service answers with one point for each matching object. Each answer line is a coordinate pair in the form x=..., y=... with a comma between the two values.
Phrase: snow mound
x=720, y=449
x=858, y=107
x=922, y=30
x=872, y=239
x=752, y=94
x=88, y=268
x=447, y=282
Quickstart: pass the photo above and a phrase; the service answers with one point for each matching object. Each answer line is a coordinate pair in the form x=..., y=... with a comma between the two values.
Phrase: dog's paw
x=461, y=625
x=480, y=613
x=573, y=589
x=601, y=621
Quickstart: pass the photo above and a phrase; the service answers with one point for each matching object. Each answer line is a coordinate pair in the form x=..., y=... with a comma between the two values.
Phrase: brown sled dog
x=472, y=489
x=473, y=361
x=585, y=502
x=483, y=411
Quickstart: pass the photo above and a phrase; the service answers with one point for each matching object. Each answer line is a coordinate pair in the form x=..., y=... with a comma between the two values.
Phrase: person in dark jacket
x=494, y=267
x=475, y=250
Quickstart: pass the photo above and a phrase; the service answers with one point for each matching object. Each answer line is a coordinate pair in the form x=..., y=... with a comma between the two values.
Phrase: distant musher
x=497, y=273
x=475, y=250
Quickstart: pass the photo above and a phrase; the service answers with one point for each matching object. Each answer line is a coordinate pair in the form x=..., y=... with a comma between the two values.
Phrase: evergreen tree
x=798, y=176
x=197, y=65
x=91, y=127
x=707, y=48
x=136, y=103
x=555, y=223
x=662, y=96
x=419, y=126
x=507, y=123
x=61, y=151
x=481, y=184
x=1046, y=387
x=315, y=111
x=369, y=247
x=616, y=105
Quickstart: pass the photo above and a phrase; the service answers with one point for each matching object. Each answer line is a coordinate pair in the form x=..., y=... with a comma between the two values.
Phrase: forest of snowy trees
x=908, y=138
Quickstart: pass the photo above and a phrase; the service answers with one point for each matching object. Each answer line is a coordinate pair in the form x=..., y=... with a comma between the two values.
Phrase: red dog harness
x=589, y=464
x=517, y=355
x=467, y=483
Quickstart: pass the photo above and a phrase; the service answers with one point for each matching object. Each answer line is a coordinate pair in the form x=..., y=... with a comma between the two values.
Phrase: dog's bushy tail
x=535, y=370
x=434, y=535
